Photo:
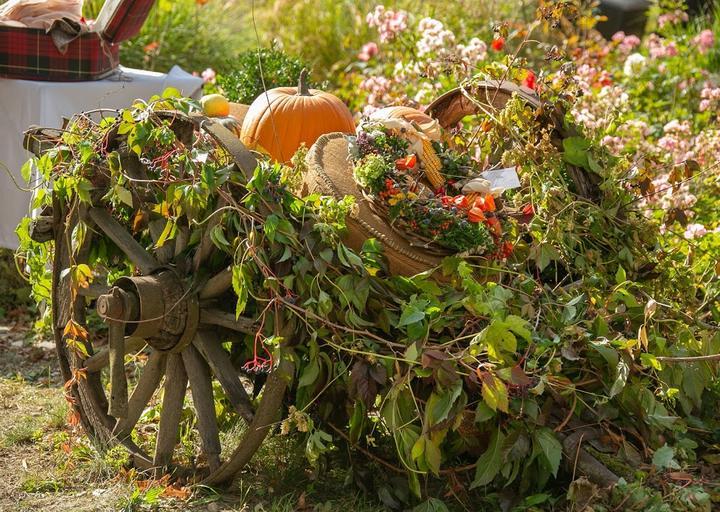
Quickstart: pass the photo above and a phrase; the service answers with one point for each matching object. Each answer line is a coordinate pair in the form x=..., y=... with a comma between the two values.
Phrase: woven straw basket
x=330, y=172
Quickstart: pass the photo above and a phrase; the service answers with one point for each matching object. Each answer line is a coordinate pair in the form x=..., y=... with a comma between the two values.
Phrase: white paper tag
x=502, y=178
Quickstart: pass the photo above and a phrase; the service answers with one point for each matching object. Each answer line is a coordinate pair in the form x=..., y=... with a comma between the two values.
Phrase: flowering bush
x=412, y=59
x=653, y=103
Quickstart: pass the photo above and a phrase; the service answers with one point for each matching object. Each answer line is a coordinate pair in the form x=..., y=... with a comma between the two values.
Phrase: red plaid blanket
x=32, y=54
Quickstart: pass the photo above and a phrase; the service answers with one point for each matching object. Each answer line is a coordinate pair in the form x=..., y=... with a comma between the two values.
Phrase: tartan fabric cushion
x=120, y=20
x=31, y=54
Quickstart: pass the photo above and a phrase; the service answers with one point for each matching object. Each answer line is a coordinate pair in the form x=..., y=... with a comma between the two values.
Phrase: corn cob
x=471, y=197
x=432, y=165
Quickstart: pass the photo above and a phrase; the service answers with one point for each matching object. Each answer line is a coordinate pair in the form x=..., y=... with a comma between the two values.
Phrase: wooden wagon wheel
x=173, y=319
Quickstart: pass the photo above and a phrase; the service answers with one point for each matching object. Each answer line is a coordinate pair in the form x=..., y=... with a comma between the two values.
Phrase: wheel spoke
x=94, y=290
x=206, y=246
x=164, y=253
x=134, y=251
x=227, y=320
x=172, y=404
x=146, y=386
x=118, y=383
x=267, y=413
x=225, y=372
x=217, y=285
x=98, y=361
x=201, y=386
x=181, y=240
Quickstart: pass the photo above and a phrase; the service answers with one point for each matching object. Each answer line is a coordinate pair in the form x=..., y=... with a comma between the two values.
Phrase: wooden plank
x=134, y=251
x=97, y=362
x=201, y=386
x=173, y=398
x=228, y=320
x=147, y=384
x=118, y=383
x=221, y=365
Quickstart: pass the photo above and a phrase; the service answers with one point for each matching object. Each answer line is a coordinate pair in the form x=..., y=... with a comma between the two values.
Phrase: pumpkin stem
x=303, y=89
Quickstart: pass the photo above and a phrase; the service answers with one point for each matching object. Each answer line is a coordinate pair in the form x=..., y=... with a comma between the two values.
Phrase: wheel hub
x=156, y=308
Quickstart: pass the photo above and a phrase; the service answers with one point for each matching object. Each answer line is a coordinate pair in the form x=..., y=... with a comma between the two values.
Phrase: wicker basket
x=330, y=172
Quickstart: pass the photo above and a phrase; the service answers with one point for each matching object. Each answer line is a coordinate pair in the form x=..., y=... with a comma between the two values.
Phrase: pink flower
x=660, y=47
x=693, y=231
x=614, y=145
x=208, y=76
x=388, y=22
x=672, y=18
x=625, y=43
x=632, y=41
x=705, y=40
x=368, y=51
x=435, y=37
x=473, y=52
x=377, y=87
x=618, y=37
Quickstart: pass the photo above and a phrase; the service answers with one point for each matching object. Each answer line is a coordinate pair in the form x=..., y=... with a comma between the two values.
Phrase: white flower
x=634, y=64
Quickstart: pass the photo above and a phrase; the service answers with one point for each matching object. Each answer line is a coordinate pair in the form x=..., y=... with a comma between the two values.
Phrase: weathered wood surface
x=221, y=365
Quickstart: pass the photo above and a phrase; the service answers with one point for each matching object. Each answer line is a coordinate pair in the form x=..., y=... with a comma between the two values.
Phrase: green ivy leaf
x=650, y=361
x=490, y=462
x=664, y=458
x=519, y=326
x=498, y=339
x=576, y=151
x=440, y=403
x=431, y=505
x=620, y=275
x=622, y=370
x=412, y=312
x=26, y=170
x=240, y=287
x=550, y=448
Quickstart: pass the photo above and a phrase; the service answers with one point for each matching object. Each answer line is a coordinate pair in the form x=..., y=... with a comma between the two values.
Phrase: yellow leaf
x=75, y=330
x=494, y=393
x=642, y=337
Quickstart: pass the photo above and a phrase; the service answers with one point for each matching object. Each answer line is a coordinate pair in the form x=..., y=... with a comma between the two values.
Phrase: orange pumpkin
x=428, y=125
x=281, y=120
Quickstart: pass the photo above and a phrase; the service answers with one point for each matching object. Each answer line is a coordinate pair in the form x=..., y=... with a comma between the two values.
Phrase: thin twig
x=688, y=359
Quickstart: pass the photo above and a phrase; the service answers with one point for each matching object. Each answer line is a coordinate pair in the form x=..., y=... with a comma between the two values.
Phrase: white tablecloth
x=24, y=103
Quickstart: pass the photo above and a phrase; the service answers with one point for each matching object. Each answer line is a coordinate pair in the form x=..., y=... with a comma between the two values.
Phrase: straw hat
x=330, y=173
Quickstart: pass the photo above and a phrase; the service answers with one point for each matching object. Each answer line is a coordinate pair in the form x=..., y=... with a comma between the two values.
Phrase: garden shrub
x=255, y=71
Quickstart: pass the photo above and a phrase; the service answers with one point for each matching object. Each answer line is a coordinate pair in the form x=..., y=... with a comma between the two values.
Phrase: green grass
x=26, y=430
x=35, y=484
